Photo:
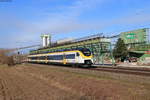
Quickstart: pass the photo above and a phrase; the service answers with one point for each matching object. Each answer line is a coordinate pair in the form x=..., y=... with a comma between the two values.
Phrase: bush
x=10, y=61
x=5, y=58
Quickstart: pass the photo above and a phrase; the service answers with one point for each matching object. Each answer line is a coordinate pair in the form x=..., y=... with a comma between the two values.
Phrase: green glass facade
x=138, y=42
x=135, y=36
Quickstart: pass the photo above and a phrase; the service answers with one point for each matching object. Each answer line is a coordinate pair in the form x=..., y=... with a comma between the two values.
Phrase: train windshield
x=86, y=51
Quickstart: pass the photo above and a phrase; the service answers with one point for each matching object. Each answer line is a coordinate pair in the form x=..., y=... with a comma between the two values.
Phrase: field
x=49, y=82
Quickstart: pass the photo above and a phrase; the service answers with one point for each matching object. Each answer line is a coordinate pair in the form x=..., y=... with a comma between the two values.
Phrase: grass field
x=49, y=82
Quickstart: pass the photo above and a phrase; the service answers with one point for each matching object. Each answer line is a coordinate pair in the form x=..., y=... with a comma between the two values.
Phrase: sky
x=23, y=21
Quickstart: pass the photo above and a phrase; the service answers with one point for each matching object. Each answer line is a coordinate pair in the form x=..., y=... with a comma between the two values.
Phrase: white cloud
x=61, y=22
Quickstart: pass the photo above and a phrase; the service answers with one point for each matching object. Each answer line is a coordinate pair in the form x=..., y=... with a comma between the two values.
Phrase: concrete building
x=46, y=38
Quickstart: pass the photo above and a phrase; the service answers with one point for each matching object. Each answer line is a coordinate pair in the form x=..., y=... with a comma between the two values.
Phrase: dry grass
x=93, y=85
x=40, y=82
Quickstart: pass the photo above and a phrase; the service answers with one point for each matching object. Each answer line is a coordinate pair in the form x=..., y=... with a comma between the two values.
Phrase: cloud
x=67, y=19
x=133, y=19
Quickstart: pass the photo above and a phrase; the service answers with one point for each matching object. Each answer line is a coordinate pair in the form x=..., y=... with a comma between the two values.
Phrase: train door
x=77, y=57
x=64, y=59
x=46, y=59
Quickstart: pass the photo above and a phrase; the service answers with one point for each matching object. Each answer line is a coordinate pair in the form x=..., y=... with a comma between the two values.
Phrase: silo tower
x=46, y=38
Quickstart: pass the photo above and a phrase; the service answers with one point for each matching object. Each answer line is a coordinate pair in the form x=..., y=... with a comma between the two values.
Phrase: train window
x=85, y=51
x=70, y=56
x=33, y=58
x=55, y=57
x=77, y=54
x=59, y=57
x=42, y=57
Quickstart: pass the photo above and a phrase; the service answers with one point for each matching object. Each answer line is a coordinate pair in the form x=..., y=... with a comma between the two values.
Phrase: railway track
x=124, y=70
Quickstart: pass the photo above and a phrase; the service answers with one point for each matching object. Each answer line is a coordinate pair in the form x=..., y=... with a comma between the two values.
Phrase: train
x=76, y=57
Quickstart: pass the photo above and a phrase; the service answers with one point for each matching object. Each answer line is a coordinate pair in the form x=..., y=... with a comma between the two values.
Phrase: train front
x=86, y=56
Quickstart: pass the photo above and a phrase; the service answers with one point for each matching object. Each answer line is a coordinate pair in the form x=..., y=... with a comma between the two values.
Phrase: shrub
x=5, y=58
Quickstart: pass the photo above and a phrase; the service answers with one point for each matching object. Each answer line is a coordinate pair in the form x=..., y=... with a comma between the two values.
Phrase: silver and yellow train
x=79, y=56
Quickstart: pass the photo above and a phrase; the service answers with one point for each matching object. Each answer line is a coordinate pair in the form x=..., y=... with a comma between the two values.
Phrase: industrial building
x=138, y=43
